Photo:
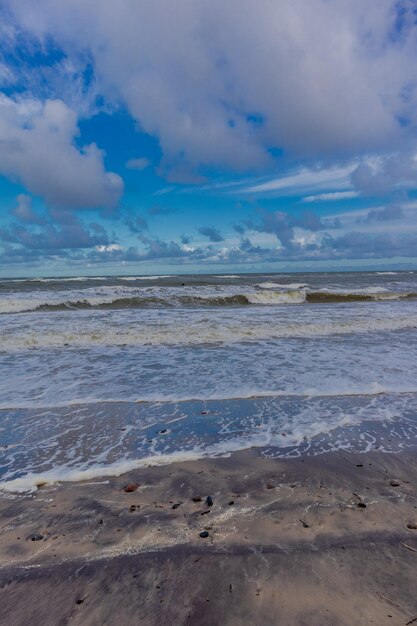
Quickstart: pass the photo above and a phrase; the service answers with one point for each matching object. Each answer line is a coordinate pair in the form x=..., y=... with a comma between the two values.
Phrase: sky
x=143, y=137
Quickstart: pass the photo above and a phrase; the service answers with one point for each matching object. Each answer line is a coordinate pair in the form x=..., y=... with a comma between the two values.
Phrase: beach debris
x=204, y=534
x=359, y=465
x=388, y=601
x=35, y=537
x=163, y=431
x=408, y=547
x=305, y=525
x=176, y=505
x=231, y=502
x=197, y=499
x=412, y=525
x=131, y=487
x=394, y=483
x=209, y=501
x=80, y=600
x=204, y=412
x=270, y=486
x=360, y=504
x=133, y=507
x=204, y=512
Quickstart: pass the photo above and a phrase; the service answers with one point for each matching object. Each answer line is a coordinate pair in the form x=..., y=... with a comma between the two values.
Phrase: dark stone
x=394, y=483
x=163, y=431
x=209, y=501
x=412, y=525
x=204, y=534
x=36, y=537
x=197, y=499
x=130, y=487
x=231, y=502
x=361, y=505
x=176, y=505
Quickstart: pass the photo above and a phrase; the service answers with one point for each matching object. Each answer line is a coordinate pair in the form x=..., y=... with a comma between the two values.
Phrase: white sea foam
x=270, y=285
x=131, y=278
x=297, y=433
x=294, y=296
x=340, y=391
x=197, y=333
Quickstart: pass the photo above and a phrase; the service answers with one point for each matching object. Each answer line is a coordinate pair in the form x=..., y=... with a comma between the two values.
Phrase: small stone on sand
x=130, y=487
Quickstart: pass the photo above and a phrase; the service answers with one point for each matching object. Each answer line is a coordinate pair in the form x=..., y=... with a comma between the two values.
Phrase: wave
x=198, y=333
x=260, y=297
x=365, y=295
x=373, y=390
x=130, y=278
x=269, y=285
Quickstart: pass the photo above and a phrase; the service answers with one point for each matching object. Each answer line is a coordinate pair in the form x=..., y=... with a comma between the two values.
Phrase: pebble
x=209, y=501
x=361, y=505
x=394, y=483
x=412, y=525
x=130, y=487
x=176, y=505
x=204, y=534
x=36, y=537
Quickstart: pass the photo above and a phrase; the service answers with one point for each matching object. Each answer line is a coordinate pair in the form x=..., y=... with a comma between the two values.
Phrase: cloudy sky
x=207, y=135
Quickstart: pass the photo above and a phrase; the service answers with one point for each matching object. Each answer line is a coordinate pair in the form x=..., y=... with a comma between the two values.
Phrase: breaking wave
x=199, y=333
x=264, y=296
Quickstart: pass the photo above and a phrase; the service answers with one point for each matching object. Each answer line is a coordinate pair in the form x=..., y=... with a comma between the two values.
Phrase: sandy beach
x=330, y=539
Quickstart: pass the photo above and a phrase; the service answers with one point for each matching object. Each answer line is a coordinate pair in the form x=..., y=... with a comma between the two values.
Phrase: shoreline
x=328, y=539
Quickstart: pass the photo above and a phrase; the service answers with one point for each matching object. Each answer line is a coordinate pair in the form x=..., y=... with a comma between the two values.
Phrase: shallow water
x=91, y=370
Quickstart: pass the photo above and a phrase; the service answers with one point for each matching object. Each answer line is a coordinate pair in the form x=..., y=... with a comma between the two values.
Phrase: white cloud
x=37, y=148
x=329, y=197
x=113, y=247
x=138, y=164
x=304, y=180
x=24, y=211
x=222, y=82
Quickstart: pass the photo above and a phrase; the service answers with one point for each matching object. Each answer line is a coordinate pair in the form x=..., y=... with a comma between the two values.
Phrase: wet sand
x=323, y=540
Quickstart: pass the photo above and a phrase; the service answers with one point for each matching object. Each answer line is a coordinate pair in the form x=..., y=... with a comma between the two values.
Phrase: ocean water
x=99, y=375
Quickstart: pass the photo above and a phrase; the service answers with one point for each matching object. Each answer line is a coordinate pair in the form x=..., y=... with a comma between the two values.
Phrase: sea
x=100, y=375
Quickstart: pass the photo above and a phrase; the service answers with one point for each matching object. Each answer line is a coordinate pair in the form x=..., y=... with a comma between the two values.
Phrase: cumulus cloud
x=213, y=234
x=37, y=148
x=386, y=173
x=136, y=223
x=52, y=238
x=388, y=213
x=312, y=77
x=24, y=212
x=60, y=230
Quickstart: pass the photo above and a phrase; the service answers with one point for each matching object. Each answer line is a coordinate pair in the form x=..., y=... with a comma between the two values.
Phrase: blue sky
x=163, y=137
